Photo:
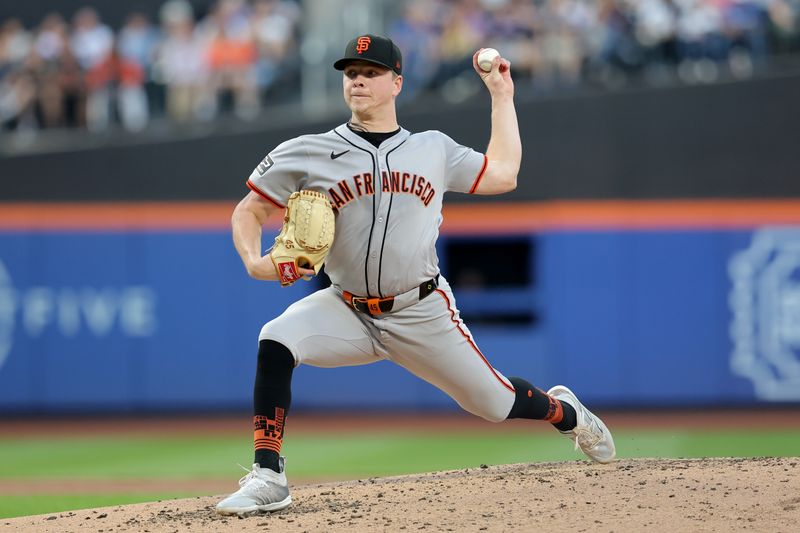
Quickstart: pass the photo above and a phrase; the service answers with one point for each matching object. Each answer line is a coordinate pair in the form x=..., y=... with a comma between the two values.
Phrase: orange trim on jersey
x=263, y=194
x=480, y=175
x=472, y=343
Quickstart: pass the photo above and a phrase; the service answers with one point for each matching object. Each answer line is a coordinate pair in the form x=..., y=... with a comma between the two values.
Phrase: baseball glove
x=306, y=236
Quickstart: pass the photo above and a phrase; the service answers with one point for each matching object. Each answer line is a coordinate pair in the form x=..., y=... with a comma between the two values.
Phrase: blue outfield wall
x=160, y=320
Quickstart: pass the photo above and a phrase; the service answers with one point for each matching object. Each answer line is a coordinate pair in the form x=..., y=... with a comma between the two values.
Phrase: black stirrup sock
x=272, y=395
x=533, y=403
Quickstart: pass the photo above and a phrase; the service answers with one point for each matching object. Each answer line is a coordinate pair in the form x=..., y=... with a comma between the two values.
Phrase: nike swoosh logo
x=340, y=154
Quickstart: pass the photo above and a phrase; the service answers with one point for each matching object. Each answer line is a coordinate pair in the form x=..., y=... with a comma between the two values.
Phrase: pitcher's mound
x=760, y=494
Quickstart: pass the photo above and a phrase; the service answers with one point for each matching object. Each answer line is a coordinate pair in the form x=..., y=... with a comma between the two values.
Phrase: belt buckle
x=355, y=300
x=350, y=299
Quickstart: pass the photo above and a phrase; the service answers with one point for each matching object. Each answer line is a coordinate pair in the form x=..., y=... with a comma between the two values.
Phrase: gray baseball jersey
x=388, y=200
x=388, y=203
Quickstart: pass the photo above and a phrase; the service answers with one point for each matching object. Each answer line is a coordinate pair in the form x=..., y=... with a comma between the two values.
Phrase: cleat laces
x=251, y=475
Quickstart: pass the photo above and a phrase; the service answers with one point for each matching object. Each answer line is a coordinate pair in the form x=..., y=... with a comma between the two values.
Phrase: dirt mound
x=761, y=494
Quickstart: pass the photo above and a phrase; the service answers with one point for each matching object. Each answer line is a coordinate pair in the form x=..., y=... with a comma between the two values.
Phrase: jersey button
x=380, y=219
x=374, y=254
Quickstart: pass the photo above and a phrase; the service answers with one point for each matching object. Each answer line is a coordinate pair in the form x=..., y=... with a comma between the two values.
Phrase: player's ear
x=398, y=84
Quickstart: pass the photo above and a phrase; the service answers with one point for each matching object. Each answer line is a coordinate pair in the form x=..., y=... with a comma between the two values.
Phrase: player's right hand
x=498, y=80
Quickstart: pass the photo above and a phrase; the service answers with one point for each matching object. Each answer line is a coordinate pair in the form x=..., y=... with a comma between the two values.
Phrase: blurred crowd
x=82, y=73
x=558, y=44
x=241, y=54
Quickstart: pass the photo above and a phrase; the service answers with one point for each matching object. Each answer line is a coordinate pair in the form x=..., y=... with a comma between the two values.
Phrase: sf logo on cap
x=362, y=45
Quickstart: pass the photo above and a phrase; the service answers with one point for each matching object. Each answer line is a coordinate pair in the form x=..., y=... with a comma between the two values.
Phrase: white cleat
x=590, y=434
x=261, y=490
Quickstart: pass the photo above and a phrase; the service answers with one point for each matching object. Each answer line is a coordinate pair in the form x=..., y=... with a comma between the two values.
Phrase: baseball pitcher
x=365, y=199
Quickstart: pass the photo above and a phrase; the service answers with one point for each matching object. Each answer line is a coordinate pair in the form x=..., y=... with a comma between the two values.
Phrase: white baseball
x=486, y=57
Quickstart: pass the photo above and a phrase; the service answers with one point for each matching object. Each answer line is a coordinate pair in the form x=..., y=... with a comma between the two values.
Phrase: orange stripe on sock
x=273, y=445
x=555, y=413
x=268, y=433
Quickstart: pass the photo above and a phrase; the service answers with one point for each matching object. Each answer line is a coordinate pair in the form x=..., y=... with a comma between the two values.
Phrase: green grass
x=328, y=456
x=23, y=505
x=128, y=457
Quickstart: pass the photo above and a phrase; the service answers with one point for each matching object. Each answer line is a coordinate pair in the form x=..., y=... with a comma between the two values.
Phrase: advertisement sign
x=157, y=320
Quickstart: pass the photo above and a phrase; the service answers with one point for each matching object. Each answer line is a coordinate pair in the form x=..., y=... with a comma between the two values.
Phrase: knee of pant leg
x=266, y=329
x=488, y=400
x=495, y=416
x=493, y=412
x=492, y=403
x=269, y=333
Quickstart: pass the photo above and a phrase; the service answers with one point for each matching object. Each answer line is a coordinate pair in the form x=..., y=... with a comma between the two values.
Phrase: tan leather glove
x=306, y=236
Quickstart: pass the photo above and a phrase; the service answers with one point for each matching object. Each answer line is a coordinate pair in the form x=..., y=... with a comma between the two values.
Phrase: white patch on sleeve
x=265, y=165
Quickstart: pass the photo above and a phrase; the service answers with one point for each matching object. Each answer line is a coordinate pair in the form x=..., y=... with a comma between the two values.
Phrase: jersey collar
x=386, y=145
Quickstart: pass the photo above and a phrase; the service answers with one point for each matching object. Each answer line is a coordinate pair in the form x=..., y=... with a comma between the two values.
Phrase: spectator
x=52, y=38
x=138, y=41
x=73, y=91
x=17, y=88
x=92, y=40
x=746, y=30
x=180, y=64
x=17, y=101
x=92, y=43
x=231, y=57
x=511, y=29
x=700, y=30
x=48, y=107
x=464, y=31
x=558, y=52
x=784, y=25
x=416, y=33
x=15, y=42
x=122, y=79
x=274, y=26
x=44, y=63
x=656, y=31
x=620, y=49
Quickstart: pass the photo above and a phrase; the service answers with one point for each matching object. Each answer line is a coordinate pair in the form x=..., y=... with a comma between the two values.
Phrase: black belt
x=378, y=306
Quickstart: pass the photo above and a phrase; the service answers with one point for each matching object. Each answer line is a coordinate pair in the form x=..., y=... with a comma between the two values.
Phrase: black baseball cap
x=373, y=49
